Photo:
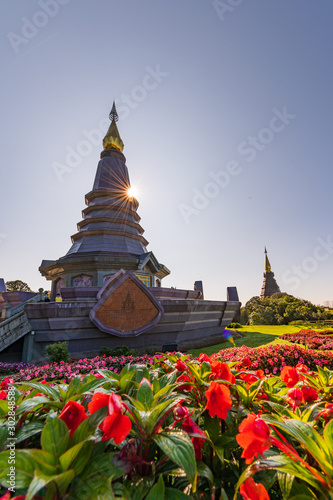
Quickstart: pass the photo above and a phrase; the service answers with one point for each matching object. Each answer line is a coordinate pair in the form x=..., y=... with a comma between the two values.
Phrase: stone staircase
x=13, y=329
x=16, y=325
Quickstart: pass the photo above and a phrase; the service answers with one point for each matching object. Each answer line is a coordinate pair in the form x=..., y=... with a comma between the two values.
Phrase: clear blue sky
x=226, y=115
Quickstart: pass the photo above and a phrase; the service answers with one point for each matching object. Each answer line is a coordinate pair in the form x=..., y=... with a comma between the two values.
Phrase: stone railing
x=13, y=329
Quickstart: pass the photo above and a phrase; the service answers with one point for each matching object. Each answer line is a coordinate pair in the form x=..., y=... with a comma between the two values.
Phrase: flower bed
x=67, y=371
x=274, y=357
x=322, y=341
x=175, y=428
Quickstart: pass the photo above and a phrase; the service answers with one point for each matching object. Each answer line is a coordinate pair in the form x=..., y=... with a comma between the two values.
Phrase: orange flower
x=253, y=491
x=254, y=437
x=222, y=370
x=290, y=376
x=218, y=400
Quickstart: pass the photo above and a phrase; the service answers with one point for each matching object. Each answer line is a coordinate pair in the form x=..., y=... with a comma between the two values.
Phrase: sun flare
x=132, y=192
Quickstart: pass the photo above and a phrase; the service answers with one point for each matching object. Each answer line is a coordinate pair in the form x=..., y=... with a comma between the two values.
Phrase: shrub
x=120, y=350
x=57, y=352
x=234, y=325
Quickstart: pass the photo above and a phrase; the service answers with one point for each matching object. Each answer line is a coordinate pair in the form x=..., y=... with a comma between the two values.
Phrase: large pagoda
x=269, y=286
x=109, y=237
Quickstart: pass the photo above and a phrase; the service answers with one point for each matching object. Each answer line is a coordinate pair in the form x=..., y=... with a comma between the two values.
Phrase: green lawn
x=255, y=336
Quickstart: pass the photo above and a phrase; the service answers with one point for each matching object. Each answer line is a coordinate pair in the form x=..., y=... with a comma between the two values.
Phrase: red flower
x=303, y=368
x=73, y=414
x=246, y=362
x=180, y=413
x=198, y=444
x=180, y=366
x=3, y=395
x=309, y=393
x=290, y=376
x=99, y=400
x=252, y=377
x=191, y=428
x=6, y=382
x=254, y=437
x=295, y=397
x=198, y=436
x=184, y=387
x=327, y=413
x=203, y=357
x=218, y=400
x=222, y=370
x=253, y=491
x=116, y=425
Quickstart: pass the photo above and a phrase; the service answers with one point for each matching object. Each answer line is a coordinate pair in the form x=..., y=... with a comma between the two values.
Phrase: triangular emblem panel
x=126, y=307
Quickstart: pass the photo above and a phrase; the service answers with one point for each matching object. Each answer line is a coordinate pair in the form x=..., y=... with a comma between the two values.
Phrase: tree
x=280, y=309
x=17, y=286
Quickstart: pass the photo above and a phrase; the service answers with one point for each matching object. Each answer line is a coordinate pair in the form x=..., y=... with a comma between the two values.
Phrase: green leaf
x=309, y=438
x=145, y=393
x=109, y=375
x=45, y=461
x=3, y=407
x=323, y=376
x=55, y=437
x=31, y=404
x=24, y=468
x=204, y=471
x=212, y=426
x=125, y=380
x=161, y=409
x=3, y=436
x=53, y=392
x=172, y=494
x=285, y=483
x=41, y=481
x=67, y=458
x=179, y=448
x=92, y=385
x=157, y=491
x=98, y=488
x=28, y=430
x=328, y=435
x=282, y=463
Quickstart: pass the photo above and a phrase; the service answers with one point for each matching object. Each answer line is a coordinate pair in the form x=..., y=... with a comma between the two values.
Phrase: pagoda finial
x=113, y=113
x=112, y=138
x=267, y=263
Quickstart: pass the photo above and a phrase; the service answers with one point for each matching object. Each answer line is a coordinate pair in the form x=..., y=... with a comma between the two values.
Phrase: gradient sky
x=199, y=89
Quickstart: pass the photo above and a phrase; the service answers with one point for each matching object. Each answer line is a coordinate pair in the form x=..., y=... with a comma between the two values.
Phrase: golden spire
x=267, y=263
x=112, y=138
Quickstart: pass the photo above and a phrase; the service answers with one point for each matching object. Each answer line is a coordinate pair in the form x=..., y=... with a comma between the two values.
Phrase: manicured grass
x=255, y=336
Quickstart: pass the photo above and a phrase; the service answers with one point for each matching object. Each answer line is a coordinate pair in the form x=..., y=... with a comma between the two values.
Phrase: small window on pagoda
x=83, y=280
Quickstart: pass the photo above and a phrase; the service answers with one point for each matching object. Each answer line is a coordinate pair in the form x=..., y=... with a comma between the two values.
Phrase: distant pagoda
x=269, y=286
x=109, y=237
